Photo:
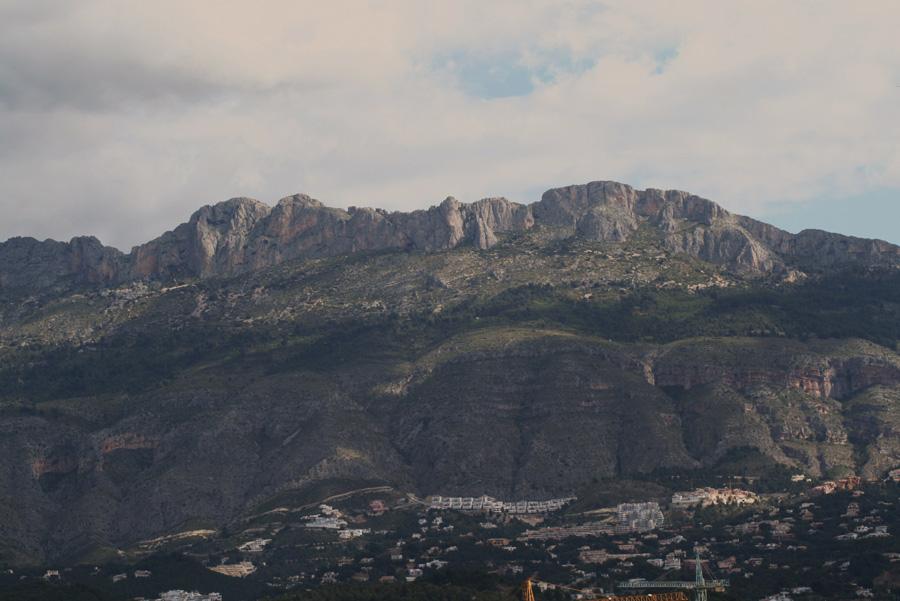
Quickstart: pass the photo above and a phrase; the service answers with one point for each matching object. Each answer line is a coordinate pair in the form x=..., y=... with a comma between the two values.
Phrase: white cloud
x=119, y=119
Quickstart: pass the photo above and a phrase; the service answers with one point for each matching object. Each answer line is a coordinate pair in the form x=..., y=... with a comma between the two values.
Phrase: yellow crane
x=527, y=591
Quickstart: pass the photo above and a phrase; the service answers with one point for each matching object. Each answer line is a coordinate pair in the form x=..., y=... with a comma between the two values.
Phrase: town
x=827, y=539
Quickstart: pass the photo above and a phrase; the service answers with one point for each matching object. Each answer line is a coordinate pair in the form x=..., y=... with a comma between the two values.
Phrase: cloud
x=119, y=119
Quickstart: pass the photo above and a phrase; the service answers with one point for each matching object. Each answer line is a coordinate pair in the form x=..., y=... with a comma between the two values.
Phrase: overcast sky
x=119, y=119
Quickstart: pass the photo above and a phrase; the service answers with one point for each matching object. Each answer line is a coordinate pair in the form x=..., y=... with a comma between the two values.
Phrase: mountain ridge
x=243, y=234
x=519, y=351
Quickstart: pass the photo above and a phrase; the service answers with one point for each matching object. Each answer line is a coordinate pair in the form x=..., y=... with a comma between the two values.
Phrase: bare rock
x=606, y=223
x=243, y=234
x=27, y=264
x=563, y=207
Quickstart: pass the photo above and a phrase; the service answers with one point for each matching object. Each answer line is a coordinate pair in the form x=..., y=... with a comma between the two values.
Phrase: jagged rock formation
x=211, y=242
x=26, y=263
x=243, y=234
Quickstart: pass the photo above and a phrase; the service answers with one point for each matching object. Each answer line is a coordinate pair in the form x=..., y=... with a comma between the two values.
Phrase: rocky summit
x=599, y=335
x=242, y=234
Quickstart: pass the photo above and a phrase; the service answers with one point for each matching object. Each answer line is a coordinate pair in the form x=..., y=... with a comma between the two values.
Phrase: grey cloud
x=120, y=119
x=47, y=63
x=50, y=80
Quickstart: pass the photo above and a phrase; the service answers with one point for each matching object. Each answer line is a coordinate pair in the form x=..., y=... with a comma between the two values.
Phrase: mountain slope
x=486, y=348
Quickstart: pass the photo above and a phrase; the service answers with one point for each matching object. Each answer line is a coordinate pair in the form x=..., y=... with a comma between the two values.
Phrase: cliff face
x=701, y=228
x=242, y=234
x=27, y=264
x=212, y=242
x=834, y=378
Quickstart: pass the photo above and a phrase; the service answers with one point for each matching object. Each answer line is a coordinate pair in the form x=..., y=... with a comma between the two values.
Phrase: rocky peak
x=242, y=234
x=210, y=243
x=566, y=207
x=232, y=212
x=450, y=205
x=300, y=201
x=27, y=264
x=815, y=247
x=699, y=227
x=501, y=215
x=222, y=231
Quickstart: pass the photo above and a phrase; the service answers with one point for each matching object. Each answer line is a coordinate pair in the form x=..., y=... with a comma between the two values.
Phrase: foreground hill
x=497, y=348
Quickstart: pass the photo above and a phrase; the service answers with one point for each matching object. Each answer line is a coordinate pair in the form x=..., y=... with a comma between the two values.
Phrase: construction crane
x=679, y=596
x=700, y=585
x=528, y=594
x=527, y=591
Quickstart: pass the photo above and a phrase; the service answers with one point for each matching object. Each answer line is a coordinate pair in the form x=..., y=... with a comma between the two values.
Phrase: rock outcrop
x=242, y=234
x=837, y=378
x=210, y=243
x=28, y=264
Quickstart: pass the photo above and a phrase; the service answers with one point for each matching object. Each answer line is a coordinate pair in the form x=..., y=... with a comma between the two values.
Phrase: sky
x=120, y=118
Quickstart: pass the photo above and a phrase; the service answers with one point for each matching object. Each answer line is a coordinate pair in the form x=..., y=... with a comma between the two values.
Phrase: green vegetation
x=845, y=305
x=41, y=591
x=545, y=369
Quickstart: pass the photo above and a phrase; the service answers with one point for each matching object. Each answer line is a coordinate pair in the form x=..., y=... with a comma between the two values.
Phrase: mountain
x=243, y=234
x=254, y=353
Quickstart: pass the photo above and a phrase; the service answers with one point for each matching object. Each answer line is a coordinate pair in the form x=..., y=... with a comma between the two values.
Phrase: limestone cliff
x=242, y=234
x=28, y=264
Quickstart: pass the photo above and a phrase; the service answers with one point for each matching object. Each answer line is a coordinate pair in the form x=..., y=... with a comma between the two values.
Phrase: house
x=255, y=546
x=727, y=563
x=235, y=570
